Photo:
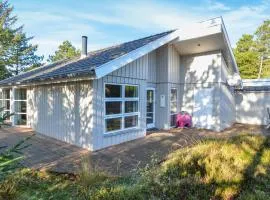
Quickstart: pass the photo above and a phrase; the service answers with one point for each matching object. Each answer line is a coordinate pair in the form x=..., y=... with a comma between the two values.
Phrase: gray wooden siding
x=173, y=65
x=133, y=73
x=137, y=69
x=162, y=64
x=162, y=113
x=62, y=111
x=152, y=67
x=251, y=107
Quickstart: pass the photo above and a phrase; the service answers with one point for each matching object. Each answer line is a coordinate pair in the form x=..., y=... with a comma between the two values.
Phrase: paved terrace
x=46, y=153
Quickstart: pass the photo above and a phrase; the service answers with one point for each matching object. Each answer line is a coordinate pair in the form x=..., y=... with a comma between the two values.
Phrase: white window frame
x=152, y=125
x=122, y=115
x=173, y=88
x=20, y=100
x=2, y=99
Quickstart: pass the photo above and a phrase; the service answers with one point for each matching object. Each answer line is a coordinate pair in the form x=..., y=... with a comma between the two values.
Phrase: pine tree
x=250, y=49
x=22, y=54
x=16, y=51
x=247, y=56
x=6, y=35
x=65, y=51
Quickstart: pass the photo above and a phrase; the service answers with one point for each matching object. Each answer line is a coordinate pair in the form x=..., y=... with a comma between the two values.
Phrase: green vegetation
x=16, y=51
x=233, y=168
x=4, y=116
x=65, y=51
x=249, y=51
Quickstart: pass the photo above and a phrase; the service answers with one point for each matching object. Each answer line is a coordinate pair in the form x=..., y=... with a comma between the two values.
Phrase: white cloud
x=51, y=28
x=215, y=5
x=245, y=19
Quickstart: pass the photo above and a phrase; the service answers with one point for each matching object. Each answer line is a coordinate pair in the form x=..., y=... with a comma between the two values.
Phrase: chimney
x=84, y=47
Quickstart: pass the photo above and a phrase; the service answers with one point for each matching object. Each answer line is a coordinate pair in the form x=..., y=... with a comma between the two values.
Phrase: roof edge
x=119, y=62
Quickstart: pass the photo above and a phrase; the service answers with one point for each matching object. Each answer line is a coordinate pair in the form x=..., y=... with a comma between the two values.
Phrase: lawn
x=232, y=168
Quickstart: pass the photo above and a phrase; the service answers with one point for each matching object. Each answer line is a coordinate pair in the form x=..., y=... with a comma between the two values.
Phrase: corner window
x=173, y=106
x=121, y=107
x=5, y=100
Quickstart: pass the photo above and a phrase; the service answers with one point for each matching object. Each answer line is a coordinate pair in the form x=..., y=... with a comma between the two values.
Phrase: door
x=150, y=108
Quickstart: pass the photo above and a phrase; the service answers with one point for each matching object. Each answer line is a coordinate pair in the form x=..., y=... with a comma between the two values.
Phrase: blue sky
x=111, y=22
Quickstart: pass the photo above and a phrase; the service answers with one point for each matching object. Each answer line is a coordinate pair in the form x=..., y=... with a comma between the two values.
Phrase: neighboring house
x=114, y=95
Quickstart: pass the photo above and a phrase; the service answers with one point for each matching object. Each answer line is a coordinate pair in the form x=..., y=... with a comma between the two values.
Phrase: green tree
x=249, y=50
x=65, y=51
x=246, y=56
x=6, y=35
x=22, y=54
x=262, y=38
x=16, y=51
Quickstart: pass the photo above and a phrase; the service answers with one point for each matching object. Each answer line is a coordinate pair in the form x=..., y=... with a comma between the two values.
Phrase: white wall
x=62, y=111
x=227, y=98
x=200, y=78
x=251, y=107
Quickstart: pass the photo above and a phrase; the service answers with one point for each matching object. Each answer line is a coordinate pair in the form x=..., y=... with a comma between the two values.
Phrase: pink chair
x=183, y=119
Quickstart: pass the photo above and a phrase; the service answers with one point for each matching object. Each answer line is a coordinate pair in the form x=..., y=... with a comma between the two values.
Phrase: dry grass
x=233, y=168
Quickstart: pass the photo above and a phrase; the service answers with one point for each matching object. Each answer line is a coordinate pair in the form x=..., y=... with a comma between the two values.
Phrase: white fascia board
x=117, y=63
x=228, y=44
x=198, y=31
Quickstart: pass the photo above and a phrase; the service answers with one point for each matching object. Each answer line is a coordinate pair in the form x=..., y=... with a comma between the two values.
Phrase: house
x=115, y=94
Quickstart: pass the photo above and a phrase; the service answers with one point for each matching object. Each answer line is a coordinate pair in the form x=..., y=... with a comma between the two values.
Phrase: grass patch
x=233, y=168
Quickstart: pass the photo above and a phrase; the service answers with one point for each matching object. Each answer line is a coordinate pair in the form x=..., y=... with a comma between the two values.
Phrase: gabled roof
x=86, y=66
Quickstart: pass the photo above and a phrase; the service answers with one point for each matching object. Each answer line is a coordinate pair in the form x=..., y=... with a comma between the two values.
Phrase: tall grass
x=233, y=168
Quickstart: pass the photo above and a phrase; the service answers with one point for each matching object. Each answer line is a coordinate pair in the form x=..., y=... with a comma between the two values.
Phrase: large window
x=20, y=107
x=173, y=106
x=121, y=107
x=5, y=100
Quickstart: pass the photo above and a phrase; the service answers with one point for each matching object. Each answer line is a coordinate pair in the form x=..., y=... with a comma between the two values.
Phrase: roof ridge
x=115, y=45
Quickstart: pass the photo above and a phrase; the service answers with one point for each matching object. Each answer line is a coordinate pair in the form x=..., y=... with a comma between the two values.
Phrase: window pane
x=131, y=106
x=113, y=124
x=173, y=95
x=173, y=120
x=20, y=106
x=131, y=91
x=20, y=94
x=5, y=104
x=150, y=106
x=173, y=107
x=150, y=118
x=5, y=94
x=113, y=91
x=113, y=107
x=20, y=119
x=131, y=121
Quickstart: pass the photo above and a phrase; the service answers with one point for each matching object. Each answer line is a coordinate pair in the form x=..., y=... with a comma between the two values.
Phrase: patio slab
x=46, y=153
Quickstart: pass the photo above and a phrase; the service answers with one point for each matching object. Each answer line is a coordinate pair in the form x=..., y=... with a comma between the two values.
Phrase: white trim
x=227, y=40
x=173, y=88
x=121, y=115
x=152, y=125
x=117, y=63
